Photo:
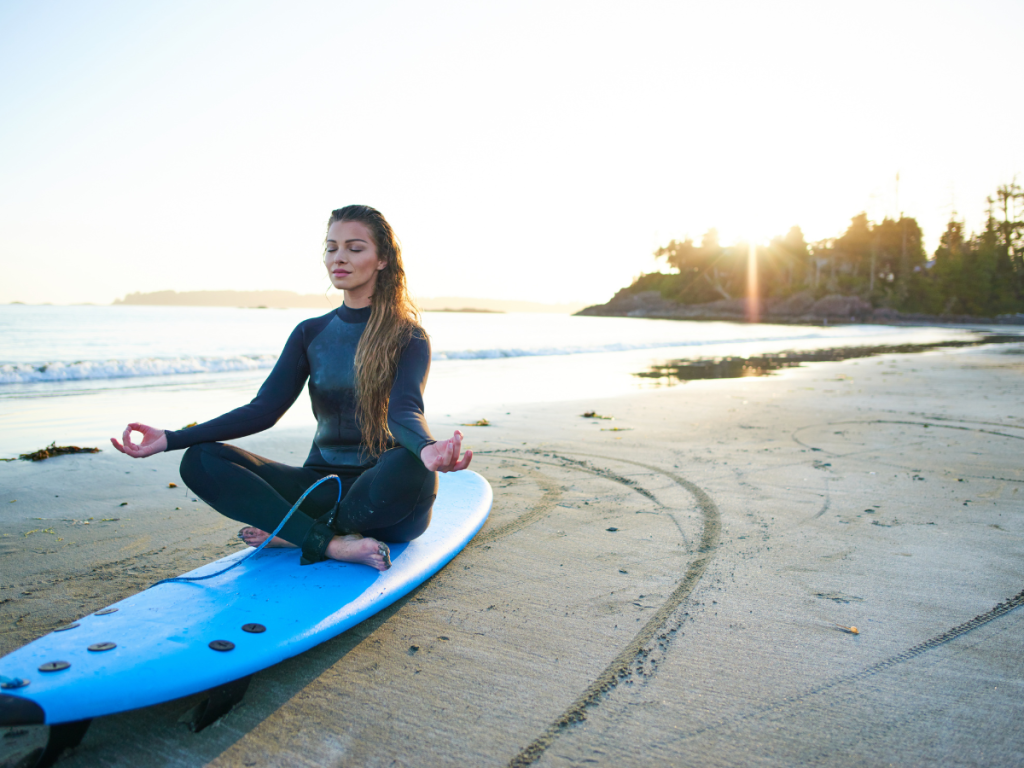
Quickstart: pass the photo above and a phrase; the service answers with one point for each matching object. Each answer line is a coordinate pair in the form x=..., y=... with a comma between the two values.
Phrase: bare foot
x=254, y=537
x=356, y=549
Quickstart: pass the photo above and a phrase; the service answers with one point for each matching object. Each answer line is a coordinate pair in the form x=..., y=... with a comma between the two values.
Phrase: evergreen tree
x=1008, y=223
x=853, y=251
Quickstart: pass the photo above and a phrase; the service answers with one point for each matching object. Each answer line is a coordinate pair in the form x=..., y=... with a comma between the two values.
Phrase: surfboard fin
x=218, y=703
x=62, y=736
x=38, y=745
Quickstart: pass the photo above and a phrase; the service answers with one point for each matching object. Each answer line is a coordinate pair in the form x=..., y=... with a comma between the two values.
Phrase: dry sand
x=667, y=594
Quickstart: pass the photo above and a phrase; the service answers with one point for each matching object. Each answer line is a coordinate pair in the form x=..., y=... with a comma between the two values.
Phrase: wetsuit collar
x=349, y=315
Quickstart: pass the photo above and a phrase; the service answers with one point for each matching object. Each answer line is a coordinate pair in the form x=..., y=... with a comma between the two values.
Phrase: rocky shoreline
x=801, y=308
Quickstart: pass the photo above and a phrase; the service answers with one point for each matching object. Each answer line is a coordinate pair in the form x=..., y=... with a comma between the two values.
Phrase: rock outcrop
x=799, y=308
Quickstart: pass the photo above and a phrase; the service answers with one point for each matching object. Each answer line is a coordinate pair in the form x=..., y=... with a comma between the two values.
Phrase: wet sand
x=671, y=592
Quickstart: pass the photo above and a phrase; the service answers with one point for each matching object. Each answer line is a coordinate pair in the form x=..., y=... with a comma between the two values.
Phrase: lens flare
x=753, y=298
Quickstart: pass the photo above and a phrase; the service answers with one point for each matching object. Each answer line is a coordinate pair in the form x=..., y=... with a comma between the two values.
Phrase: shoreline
x=81, y=413
x=799, y=309
x=700, y=559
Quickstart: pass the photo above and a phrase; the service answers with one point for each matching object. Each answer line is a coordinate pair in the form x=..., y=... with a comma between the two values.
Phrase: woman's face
x=352, y=261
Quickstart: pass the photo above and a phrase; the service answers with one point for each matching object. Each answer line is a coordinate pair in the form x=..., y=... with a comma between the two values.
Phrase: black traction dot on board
x=253, y=628
x=53, y=666
x=108, y=646
x=66, y=627
x=105, y=611
x=222, y=645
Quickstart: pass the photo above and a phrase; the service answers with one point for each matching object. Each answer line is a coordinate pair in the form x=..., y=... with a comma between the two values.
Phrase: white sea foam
x=32, y=373
x=83, y=370
x=493, y=354
x=55, y=345
x=77, y=374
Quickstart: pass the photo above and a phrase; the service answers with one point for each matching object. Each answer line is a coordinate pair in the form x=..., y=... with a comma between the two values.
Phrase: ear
x=381, y=263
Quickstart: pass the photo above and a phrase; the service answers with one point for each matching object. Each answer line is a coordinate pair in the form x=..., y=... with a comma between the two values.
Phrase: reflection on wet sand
x=681, y=371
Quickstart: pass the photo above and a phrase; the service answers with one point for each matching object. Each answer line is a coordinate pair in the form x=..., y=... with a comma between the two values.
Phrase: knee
x=401, y=476
x=428, y=489
x=191, y=468
x=401, y=460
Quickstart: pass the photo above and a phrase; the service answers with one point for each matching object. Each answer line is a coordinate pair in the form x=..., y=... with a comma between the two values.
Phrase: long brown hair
x=393, y=321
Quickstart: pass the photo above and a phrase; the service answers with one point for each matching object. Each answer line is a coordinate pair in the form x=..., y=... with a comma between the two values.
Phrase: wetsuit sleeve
x=276, y=396
x=405, y=408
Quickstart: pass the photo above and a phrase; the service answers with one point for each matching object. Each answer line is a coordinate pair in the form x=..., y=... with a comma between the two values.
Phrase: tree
x=681, y=256
x=853, y=249
x=1009, y=245
x=787, y=261
x=981, y=274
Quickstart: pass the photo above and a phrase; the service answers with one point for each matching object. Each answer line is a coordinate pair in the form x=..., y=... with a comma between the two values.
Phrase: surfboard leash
x=295, y=506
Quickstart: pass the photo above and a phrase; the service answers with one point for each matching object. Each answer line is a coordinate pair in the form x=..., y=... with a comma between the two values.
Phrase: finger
x=431, y=461
x=447, y=455
x=116, y=444
x=453, y=465
x=127, y=437
x=463, y=462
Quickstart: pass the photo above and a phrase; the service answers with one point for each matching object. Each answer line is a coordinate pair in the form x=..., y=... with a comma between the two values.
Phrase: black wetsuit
x=389, y=498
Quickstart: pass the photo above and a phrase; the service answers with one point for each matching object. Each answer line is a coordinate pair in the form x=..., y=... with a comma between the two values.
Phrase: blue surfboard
x=181, y=638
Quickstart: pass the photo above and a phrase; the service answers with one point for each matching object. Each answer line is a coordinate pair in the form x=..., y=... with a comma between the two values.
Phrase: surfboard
x=182, y=638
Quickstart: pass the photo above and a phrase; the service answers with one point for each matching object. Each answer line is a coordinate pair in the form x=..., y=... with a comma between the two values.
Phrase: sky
x=538, y=151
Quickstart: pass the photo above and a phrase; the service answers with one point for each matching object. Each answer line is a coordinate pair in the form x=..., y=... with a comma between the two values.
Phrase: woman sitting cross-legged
x=366, y=364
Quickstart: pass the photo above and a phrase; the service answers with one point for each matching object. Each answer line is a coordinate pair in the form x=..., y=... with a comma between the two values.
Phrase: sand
x=673, y=592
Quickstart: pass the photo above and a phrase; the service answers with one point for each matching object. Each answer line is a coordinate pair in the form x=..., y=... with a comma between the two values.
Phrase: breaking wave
x=83, y=370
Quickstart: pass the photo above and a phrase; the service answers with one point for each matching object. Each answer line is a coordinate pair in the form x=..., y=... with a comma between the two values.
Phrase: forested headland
x=872, y=270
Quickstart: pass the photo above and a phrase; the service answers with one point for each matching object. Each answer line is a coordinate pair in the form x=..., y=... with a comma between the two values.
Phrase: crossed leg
x=350, y=548
x=390, y=501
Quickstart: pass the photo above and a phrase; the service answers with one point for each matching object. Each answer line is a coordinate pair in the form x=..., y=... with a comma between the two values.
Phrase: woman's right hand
x=153, y=441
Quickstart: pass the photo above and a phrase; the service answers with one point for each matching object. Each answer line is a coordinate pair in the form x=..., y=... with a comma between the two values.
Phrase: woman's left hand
x=443, y=456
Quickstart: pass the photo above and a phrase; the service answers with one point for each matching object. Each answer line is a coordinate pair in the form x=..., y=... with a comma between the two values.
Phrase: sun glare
x=753, y=294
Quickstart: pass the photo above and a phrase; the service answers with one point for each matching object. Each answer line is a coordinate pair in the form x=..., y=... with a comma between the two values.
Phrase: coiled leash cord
x=266, y=541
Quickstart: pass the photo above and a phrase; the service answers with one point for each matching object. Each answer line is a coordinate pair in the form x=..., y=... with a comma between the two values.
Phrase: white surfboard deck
x=162, y=635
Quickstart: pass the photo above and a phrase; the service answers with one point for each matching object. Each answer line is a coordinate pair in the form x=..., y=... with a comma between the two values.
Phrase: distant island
x=290, y=299
x=469, y=310
x=464, y=304
x=246, y=299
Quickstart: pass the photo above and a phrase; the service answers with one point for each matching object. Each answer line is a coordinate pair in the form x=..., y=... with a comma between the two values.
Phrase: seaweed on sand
x=55, y=450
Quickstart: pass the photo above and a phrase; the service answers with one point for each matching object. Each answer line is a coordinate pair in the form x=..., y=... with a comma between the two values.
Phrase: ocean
x=78, y=374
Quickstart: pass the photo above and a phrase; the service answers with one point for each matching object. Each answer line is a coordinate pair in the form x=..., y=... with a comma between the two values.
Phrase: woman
x=367, y=365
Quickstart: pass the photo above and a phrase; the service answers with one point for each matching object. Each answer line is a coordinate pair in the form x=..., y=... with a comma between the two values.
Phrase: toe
x=385, y=554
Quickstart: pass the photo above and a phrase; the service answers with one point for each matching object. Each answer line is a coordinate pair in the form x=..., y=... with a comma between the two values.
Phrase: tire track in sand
x=923, y=425
x=1000, y=609
x=656, y=630
x=548, y=501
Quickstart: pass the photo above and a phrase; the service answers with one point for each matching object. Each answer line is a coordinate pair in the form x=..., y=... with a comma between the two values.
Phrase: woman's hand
x=153, y=441
x=443, y=456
